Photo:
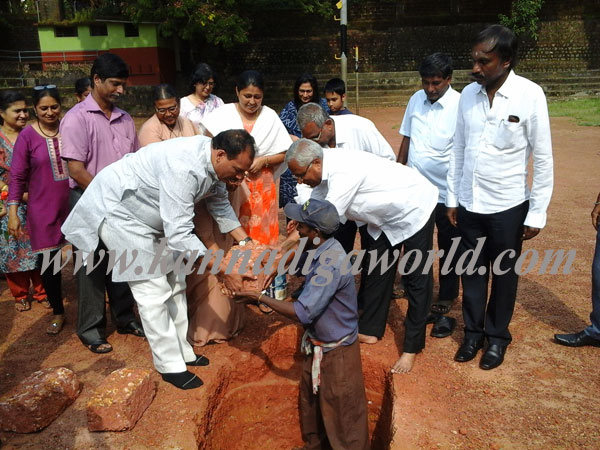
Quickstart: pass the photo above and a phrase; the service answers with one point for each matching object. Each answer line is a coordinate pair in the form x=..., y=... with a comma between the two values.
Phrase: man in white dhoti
x=149, y=195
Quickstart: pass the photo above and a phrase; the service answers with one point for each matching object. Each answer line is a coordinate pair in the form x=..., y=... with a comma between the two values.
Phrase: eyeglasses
x=305, y=91
x=171, y=109
x=208, y=83
x=44, y=86
x=301, y=177
x=317, y=137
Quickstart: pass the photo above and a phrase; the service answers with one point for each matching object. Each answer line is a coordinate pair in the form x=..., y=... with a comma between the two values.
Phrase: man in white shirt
x=345, y=132
x=427, y=129
x=397, y=204
x=149, y=195
x=502, y=122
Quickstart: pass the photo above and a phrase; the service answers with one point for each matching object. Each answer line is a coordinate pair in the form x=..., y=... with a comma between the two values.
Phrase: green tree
x=524, y=17
x=220, y=22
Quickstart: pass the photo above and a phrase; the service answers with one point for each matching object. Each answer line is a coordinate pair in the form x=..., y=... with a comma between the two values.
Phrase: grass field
x=586, y=111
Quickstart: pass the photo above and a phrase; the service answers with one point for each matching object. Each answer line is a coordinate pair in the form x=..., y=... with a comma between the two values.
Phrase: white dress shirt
x=430, y=127
x=149, y=195
x=359, y=133
x=492, y=147
x=386, y=195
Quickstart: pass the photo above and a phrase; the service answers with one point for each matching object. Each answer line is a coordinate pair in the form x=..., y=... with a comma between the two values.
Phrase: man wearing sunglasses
x=95, y=133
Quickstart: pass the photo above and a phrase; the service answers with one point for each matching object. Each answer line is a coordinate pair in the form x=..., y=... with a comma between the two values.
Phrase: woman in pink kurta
x=37, y=168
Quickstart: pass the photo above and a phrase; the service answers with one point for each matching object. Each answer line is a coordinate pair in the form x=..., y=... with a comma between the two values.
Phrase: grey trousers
x=91, y=307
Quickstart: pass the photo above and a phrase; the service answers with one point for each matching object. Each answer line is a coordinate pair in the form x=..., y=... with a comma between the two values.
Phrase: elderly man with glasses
x=397, y=203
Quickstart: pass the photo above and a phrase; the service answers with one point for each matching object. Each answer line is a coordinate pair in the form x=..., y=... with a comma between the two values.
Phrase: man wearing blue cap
x=333, y=406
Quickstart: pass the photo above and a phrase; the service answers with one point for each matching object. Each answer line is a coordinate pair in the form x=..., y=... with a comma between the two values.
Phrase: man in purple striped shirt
x=95, y=133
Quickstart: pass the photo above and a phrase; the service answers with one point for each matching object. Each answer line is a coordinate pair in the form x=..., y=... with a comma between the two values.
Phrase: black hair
x=336, y=85
x=39, y=94
x=202, y=73
x=436, y=65
x=234, y=142
x=163, y=91
x=109, y=65
x=82, y=84
x=250, y=78
x=503, y=41
x=7, y=98
x=306, y=78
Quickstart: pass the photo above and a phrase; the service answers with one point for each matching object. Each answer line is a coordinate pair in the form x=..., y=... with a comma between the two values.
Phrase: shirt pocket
x=439, y=142
x=509, y=135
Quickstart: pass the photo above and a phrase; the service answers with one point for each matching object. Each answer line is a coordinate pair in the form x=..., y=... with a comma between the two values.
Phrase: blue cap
x=319, y=214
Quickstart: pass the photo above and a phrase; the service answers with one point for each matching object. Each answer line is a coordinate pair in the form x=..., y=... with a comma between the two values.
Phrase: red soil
x=542, y=396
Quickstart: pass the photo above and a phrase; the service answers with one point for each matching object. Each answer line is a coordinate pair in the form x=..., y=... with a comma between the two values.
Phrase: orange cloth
x=257, y=200
x=18, y=283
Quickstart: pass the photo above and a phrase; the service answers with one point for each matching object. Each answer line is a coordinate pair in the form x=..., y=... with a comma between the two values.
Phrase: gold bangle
x=260, y=296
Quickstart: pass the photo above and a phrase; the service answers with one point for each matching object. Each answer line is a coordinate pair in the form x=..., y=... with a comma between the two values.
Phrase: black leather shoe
x=576, y=340
x=468, y=350
x=493, y=357
x=132, y=328
x=443, y=327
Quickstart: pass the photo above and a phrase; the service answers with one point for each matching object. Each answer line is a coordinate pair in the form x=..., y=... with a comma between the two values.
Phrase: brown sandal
x=22, y=305
x=264, y=308
x=56, y=325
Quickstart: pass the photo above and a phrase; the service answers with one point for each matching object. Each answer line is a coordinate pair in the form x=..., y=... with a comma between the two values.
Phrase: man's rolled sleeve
x=314, y=299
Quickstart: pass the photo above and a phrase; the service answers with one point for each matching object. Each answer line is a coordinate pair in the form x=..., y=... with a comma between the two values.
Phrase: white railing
x=33, y=56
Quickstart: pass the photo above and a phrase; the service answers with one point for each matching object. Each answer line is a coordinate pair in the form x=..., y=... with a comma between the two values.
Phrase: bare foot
x=366, y=339
x=405, y=363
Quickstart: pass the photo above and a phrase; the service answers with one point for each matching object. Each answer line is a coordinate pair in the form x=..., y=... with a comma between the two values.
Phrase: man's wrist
x=245, y=241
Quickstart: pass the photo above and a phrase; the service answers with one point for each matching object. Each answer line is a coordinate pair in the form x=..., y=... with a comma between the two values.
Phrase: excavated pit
x=255, y=404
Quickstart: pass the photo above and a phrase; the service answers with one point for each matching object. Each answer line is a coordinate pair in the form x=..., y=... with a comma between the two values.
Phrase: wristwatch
x=244, y=241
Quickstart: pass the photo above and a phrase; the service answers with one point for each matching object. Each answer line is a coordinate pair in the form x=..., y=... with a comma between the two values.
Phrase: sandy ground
x=544, y=395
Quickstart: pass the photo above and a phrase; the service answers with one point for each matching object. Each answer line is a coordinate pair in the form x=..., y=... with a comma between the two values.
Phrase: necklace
x=47, y=135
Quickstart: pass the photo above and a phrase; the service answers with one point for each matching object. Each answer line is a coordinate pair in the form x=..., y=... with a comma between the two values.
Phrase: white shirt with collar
x=430, y=127
x=386, y=195
x=359, y=133
x=492, y=148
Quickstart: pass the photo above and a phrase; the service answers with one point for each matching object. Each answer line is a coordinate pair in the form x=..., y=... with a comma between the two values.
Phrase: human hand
x=14, y=225
x=452, y=214
x=529, y=232
x=595, y=214
x=247, y=296
x=257, y=165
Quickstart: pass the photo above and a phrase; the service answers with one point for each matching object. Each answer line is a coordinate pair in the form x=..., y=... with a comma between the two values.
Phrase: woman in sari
x=38, y=169
x=17, y=261
x=306, y=90
x=255, y=201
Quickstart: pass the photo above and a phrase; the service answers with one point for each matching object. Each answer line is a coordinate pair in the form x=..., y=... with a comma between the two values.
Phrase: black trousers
x=502, y=231
x=450, y=282
x=91, y=308
x=52, y=283
x=346, y=234
x=375, y=293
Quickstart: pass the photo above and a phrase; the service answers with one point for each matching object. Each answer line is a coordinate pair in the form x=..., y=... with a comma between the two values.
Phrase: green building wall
x=84, y=42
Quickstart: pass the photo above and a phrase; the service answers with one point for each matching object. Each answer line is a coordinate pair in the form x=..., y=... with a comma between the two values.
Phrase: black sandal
x=95, y=347
x=132, y=328
x=440, y=309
